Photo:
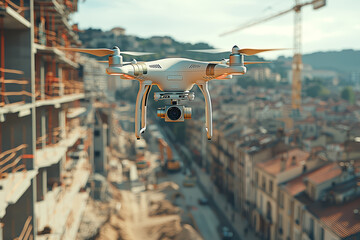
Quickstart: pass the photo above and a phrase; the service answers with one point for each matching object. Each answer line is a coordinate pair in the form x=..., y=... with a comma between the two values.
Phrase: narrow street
x=207, y=222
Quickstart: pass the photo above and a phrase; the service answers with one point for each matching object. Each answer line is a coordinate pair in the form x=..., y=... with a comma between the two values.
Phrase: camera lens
x=174, y=113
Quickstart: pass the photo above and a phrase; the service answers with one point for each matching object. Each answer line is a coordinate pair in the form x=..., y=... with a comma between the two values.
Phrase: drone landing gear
x=140, y=110
x=208, y=109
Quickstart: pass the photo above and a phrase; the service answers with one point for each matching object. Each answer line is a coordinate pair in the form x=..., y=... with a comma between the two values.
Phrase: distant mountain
x=347, y=60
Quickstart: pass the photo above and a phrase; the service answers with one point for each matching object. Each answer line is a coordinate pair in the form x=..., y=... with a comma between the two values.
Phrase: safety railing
x=57, y=134
x=18, y=88
x=54, y=88
x=26, y=231
x=73, y=87
x=50, y=139
x=18, y=6
x=13, y=160
x=47, y=37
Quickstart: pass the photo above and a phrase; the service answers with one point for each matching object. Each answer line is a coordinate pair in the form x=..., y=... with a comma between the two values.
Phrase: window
x=97, y=153
x=288, y=229
x=263, y=183
x=268, y=211
x=270, y=186
x=96, y=133
x=290, y=207
x=281, y=199
x=321, y=237
x=311, y=230
x=280, y=224
x=256, y=178
x=297, y=215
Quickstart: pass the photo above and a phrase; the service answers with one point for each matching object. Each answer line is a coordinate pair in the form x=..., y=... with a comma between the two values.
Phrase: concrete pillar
x=42, y=78
x=61, y=90
x=43, y=126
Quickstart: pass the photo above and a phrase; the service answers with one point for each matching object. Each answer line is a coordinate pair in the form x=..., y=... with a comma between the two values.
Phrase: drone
x=175, y=77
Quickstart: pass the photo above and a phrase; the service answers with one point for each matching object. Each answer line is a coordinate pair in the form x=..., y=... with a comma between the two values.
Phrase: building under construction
x=45, y=135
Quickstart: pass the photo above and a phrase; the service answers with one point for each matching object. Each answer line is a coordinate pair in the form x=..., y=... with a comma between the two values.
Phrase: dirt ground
x=149, y=215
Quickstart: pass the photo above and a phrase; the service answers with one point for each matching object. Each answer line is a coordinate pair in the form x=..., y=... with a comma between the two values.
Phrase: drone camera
x=174, y=113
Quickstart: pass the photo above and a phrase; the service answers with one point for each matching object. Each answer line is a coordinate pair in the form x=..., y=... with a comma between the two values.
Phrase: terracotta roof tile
x=297, y=185
x=339, y=218
x=273, y=166
x=325, y=173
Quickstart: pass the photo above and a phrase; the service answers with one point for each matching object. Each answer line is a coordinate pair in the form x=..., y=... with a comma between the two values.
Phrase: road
x=206, y=220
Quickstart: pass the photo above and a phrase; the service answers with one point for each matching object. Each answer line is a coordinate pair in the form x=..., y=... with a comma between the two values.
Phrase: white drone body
x=173, y=76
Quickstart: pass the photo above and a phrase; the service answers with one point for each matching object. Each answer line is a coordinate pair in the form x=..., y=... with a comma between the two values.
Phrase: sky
x=333, y=27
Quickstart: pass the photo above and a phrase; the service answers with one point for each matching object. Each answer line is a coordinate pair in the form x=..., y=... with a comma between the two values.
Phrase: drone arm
x=144, y=87
x=143, y=108
x=208, y=110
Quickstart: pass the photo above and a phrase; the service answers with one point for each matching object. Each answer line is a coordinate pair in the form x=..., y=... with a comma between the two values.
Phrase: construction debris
x=147, y=215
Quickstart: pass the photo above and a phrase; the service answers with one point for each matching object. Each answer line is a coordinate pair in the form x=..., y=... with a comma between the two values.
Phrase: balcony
x=15, y=91
x=56, y=212
x=14, y=160
x=53, y=153
x=13, y=187
x=16, y=14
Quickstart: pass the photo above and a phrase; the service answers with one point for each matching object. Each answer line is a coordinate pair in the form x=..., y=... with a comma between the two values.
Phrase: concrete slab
x=49, y=155
x=41, y=49
x=13, y=187
x=60, y=100
x=70, y=198
x=75, y=112
x=15, y=107
x=14, y=20
x=73, y=136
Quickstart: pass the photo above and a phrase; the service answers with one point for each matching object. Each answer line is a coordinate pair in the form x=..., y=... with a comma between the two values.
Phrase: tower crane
x=297, y=59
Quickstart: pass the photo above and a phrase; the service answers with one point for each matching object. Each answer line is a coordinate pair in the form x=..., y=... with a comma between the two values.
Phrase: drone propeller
x=245, y=51
x=101, y=52
x=214, y=50
x=107, y=61
x=245, y=63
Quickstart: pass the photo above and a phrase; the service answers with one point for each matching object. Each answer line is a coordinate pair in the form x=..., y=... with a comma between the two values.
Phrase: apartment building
x=45, y=142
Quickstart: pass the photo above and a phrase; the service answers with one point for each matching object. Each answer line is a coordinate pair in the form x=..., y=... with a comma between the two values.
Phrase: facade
x=299, y=183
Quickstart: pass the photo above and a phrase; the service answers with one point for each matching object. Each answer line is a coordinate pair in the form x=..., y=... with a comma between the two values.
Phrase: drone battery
x=174, y=96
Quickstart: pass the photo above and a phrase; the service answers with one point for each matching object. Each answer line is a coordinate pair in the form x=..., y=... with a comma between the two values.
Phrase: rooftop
x=325, y=173
x=339, y=218
x=293, y=158
x=297, y=185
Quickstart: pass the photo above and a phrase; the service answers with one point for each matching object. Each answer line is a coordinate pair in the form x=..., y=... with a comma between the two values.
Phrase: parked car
x=226, y=234
x=203, y=201
x=188, y=182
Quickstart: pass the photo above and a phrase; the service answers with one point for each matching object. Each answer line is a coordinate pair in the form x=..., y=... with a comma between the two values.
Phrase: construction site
x=283, y=161
x=45, y=122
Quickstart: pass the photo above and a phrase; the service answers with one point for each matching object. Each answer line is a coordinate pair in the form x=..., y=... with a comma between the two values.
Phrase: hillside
x=344, y=61
x=162, y=46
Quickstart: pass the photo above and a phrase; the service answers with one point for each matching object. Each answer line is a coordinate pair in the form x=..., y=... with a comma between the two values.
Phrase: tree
x=348, y=94
x=313, y=91
x=317, y=90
